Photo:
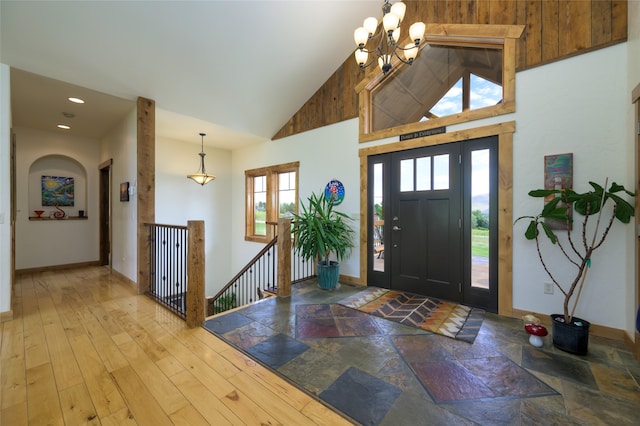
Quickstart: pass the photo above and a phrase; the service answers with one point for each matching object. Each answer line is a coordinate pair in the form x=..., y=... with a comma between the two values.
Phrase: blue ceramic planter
x=328, y=275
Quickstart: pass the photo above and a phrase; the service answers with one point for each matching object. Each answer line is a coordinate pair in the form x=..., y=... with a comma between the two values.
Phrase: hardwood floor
x=83, y=348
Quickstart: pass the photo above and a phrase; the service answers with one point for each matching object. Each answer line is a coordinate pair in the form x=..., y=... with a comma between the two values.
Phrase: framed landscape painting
x=558, y=174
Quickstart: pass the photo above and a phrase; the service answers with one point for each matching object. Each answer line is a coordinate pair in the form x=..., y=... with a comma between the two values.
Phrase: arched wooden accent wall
x=554, y=30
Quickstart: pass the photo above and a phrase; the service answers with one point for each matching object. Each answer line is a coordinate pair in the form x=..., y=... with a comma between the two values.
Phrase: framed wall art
x=124, y=191
x=57, y=191
x=334, y=191
x=558, y=174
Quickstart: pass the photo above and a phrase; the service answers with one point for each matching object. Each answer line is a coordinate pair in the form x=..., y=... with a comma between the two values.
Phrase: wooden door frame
x=12, y=222
x=635, y=99
x=504, y=132
x=105, y=212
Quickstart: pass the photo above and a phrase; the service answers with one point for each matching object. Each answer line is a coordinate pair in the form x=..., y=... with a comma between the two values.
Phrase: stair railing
x=176, y=269
x=271, y=271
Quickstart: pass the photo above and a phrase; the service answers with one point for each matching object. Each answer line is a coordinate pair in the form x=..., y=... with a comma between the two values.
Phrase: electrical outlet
x=548, y=288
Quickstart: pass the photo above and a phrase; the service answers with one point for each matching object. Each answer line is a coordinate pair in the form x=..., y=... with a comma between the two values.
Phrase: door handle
x=396, y=228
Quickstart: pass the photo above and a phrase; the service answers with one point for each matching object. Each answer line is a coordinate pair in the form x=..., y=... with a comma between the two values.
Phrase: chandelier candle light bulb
x=416, y=32
x=390, y=22
x=370, y=25
x=388, y=38
x=396, y=34
x=398, y=9
x=410, y=52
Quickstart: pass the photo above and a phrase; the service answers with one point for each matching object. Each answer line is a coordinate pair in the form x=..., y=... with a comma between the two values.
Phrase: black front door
x=424, y=221
x=432, y=224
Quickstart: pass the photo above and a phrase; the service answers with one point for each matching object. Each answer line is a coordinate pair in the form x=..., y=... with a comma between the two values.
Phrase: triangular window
x=450, y=103
x=482, y=93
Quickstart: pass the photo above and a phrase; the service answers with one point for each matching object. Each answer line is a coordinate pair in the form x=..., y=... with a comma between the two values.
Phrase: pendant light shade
x=201, y=177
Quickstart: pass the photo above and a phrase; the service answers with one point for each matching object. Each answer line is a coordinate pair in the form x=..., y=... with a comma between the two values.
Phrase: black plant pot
x=572, y=338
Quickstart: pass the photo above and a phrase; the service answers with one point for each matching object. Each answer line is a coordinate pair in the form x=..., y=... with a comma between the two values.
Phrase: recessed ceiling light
x=76, y=100
x=68, y=114
x=64, y=126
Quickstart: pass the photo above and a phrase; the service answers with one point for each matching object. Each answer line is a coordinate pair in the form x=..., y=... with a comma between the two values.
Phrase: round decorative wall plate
x=334, y=191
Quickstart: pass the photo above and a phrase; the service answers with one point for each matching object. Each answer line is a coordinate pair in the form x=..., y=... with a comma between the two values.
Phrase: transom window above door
x=463, y=73
x=443, y=80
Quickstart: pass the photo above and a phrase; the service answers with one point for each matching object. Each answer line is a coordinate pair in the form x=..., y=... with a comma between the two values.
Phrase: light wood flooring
x=83, y=348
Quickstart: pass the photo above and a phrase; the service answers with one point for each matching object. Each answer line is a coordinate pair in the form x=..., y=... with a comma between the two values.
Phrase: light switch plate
x=548, y=288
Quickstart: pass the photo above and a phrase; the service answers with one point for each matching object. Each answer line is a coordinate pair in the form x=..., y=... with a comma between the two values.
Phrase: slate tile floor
x=378, y=372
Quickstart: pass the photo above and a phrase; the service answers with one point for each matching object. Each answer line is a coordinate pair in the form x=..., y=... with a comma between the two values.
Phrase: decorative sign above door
x=423, y=133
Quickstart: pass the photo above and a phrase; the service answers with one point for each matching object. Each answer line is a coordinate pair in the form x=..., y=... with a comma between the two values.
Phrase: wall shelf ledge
x=58, y=219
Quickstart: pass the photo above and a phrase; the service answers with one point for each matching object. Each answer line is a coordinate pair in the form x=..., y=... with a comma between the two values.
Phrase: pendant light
x=201, y=177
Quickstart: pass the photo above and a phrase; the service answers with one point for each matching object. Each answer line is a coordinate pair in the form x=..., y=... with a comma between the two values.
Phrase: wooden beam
x=196, y=273
x=146, y=185
x=466, y=90
x=505, y=223
x=284, y=257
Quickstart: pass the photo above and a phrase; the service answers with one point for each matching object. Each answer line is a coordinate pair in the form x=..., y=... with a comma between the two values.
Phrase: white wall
x=179, y=200
x=324, y=154
x=5, y=190
x=60, y=242
x=577, y=105
x=120, y=145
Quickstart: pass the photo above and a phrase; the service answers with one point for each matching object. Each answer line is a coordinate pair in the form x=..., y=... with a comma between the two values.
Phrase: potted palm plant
x=318, y=231
x=571, y=333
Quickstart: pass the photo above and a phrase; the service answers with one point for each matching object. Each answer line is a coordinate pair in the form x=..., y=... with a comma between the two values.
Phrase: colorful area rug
x=446, y=318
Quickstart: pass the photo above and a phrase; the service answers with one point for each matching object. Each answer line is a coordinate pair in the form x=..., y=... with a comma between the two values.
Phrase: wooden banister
x=284, y=257
x=195, y=274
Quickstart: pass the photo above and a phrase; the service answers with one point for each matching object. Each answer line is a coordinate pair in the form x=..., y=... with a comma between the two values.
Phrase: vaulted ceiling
x=237, y=70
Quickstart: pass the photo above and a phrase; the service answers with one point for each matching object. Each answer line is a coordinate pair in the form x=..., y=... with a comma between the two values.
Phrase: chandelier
x=389, y=36
x=201, y=177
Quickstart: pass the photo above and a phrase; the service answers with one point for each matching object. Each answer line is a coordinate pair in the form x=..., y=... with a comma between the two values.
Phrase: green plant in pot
x=571, y=333
x=319, y=231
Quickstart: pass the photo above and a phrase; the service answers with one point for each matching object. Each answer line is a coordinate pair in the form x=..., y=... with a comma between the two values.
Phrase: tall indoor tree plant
x=560, y=208
x=319, y=231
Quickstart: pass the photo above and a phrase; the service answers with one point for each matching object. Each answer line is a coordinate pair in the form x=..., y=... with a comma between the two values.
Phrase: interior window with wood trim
x=271, y=194
x=457, y=77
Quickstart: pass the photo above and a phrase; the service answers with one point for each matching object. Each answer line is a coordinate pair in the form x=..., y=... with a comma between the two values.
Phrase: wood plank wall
x=554, y=30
